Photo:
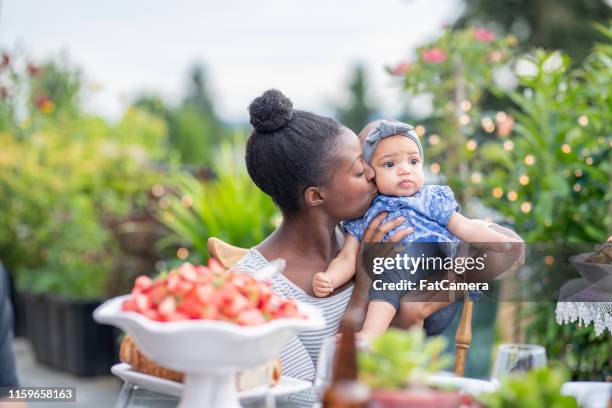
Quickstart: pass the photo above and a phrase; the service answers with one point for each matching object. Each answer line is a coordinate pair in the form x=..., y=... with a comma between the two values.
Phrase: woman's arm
x=339, y=271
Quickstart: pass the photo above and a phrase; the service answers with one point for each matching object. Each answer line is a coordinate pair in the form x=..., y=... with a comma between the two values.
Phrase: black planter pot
x=39, y=326
x=90, y=346
x=58, y=309
x=19, y=310
x=65, y=336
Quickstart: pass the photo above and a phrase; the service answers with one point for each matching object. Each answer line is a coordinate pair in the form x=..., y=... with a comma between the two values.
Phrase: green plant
x=63, y=174
x=399, y=358
x=535, y=389
x=555, y=171
x=553, y=178
x=229, y=207
x=456, y=72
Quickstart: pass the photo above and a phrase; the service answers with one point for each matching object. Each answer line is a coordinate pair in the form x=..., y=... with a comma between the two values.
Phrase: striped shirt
x=299, y=357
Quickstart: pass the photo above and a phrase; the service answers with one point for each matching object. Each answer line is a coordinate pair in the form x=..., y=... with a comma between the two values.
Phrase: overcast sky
x=304, y=48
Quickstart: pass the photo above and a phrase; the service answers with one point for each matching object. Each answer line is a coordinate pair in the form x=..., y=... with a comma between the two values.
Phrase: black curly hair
x=288, y=150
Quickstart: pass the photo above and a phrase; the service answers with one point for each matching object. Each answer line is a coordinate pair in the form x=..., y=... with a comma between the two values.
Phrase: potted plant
x=396, y=365
x=537, y=388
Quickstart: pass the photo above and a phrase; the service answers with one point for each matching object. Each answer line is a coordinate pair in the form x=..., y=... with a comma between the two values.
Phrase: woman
x=312, y=168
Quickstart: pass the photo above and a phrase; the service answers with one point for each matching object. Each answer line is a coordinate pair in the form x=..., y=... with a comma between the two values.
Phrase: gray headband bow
x=386, y=129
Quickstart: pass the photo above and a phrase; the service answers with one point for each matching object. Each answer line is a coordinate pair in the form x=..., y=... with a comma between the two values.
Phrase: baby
x=394, y=151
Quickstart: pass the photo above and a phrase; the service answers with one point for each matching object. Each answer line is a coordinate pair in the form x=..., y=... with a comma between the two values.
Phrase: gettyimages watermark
x=488, y=272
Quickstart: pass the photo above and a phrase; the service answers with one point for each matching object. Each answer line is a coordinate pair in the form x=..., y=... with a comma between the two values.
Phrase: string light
x=466, y=105
x=524, y=180
x=464, y=120
x=164, y=203
x=549, y=259
x=487, y=124
x=187, y=201
x=512, y=196
x=434, y=139
x=158, y=190
x=498, y=192
x=529, y=160
x=476, y=178
x=182, y=253
x=589, y=161
x=471, y=145
x=508, y=145
x=577, y=187
x=526, y=207
x=420, y=130
x=578, y=173
x=566, y=148
x=583, y=120
x=501, y=117
x=435, y=168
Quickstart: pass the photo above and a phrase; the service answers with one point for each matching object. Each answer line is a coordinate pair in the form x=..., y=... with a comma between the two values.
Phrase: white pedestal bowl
x=210, y=353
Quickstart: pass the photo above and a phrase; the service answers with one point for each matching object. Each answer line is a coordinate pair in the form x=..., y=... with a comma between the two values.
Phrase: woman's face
x=351, y=189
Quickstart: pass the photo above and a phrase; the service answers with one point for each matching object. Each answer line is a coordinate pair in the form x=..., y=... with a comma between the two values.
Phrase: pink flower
x=434, y=55
x=484, y=35
x=6, y=60
x=33, y=70
x=401, y=68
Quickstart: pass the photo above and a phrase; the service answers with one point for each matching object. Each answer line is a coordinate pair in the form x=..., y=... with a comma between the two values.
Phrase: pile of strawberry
x=208, y=292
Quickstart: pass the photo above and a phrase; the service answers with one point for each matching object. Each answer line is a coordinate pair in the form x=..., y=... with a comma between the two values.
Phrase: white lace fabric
x=582, y=302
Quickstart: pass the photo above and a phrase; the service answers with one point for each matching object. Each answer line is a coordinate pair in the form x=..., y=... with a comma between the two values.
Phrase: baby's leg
x=377, y=321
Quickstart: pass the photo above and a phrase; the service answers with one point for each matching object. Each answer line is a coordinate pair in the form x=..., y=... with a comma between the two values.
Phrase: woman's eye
x=388, y=164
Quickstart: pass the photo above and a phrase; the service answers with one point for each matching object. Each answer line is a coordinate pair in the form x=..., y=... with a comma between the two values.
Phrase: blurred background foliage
x=514, y=109
x=565, y=25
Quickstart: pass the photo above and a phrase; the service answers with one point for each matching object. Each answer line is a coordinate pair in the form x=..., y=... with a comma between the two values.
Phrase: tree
x=194, y=129
x=553, y=24
x=358, y=111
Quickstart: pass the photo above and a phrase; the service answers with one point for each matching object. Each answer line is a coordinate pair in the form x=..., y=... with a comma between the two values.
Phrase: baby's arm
x=377, y=321
x=339, y=271
x=470, y=231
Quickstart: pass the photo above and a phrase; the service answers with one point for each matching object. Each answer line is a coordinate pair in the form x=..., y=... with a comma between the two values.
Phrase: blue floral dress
x=428, y=212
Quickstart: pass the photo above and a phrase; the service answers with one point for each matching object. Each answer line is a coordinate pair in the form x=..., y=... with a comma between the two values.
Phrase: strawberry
x=129, y=305
x=215, y=266
x=208, y=292
x=143, y=282
x=142, y=303
x=250, y=317
x=237, y=304
x=167, y=307
x=191, y=306
x=188, y=272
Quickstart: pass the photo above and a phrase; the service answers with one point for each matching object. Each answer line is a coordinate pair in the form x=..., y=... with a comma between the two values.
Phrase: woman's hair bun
x=270, y=111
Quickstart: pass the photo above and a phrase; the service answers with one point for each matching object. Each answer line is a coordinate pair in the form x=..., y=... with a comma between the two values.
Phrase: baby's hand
x=322, y=285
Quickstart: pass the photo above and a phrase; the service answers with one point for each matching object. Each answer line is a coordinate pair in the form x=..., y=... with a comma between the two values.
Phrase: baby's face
x=398, y=166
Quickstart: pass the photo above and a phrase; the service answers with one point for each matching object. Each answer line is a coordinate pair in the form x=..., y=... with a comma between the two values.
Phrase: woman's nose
x=369, y=172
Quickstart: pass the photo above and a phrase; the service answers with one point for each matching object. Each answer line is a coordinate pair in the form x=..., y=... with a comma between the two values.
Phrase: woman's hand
x=376, y=231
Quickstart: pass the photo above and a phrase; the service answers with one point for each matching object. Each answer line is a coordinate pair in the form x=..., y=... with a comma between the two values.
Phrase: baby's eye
x=414, y=162
x=388, y=164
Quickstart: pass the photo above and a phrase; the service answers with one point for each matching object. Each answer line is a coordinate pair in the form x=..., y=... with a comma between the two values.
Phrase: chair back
x=228, y=255
x=225, y=253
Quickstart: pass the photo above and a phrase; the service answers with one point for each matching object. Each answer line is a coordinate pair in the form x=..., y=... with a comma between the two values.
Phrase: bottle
x=345, y=390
